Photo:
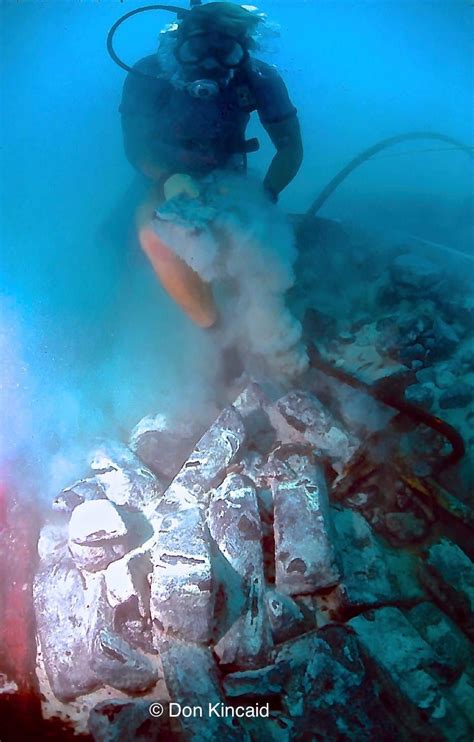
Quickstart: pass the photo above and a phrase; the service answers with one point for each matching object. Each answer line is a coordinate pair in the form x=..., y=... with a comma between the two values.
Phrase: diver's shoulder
x=259, y=69
x=143, y=86
x=148, y=65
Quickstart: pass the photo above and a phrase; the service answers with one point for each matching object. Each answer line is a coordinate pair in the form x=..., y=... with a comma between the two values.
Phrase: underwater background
x=302, y=541
x=90, y=343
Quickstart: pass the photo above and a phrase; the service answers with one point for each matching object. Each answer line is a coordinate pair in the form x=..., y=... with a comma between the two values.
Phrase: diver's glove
x=181, y=184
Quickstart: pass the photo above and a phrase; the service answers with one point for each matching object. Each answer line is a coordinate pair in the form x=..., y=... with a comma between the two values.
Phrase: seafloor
x=309, y=554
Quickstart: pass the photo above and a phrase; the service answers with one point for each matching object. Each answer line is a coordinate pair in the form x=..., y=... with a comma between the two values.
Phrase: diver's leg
x=183, y=284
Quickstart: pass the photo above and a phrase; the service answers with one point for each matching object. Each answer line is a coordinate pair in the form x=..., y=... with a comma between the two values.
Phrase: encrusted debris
x=372, y=573
x=79, y=492
x=215, y=451
x=181, y=601
x=192, y=680
x=448, y=574
x=124, y=478
x=218, y=572
x=408, y=666
x=96, y=522
x=317, y=426
x=304, y=554
x=234, y=524
x=163, y=444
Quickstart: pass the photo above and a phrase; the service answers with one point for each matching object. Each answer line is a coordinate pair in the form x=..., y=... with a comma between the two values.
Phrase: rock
x=277, y=727
x=181, y=600
x=446, y=338
x=79, y=650
x=346, y=337
x=304, y=413
x=360, y=413
x=234, y=524
x=77, y=493
x=134, y=628
x=445, y=375
x=164, y=446
x=463, y=695
x=426, y=375
x=52, y=543
x=448, y=574
x=340, y=694
x=252, y=404
x=370, y=364
x=327, y=688
x=119, y=665
x=372, y=574
x=458, y=308
x=140, y=529
x=458, y=395
x=286, y=618
x=251, y=466
x=328, y=607
x=125, y=480
x=406, y=667
x=406, y=527
x=443, y=636
x=266, y=681
x=191, y=678
x=410, y=353
x=7, y=686
x=96, y=523
x=304, y=556
x=117, y=720
x=248, y=641
x=277, y=469
x=467, y=359
x=66, y=615
x=415, y=274
x=363, y=500
x=205, y=468
x=421, y=395
x=128, y=579
x=96, y=558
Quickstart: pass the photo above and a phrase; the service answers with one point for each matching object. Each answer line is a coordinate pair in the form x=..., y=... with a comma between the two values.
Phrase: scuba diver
x=184, y=114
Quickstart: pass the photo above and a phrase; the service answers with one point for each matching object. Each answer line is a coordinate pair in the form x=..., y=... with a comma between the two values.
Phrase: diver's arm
x=140, y=108
x=140, y=148
x=286, y=136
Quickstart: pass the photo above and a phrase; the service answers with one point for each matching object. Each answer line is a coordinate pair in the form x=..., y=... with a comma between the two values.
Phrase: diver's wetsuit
x=168, y=128
x=169, y=132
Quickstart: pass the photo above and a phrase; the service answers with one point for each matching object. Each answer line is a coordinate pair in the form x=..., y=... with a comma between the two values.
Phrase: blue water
x=91, y=342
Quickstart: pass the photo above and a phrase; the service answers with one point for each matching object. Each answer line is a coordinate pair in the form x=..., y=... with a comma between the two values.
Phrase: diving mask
x=196, y=49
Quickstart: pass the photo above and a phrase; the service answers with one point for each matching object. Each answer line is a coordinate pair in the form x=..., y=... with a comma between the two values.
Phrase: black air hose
x=180, y=12
x=386, y=396
x=365, y=155
x=393, y=399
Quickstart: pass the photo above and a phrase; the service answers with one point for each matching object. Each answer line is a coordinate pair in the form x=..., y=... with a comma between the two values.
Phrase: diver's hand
x=153, y=172
x=181, y=184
